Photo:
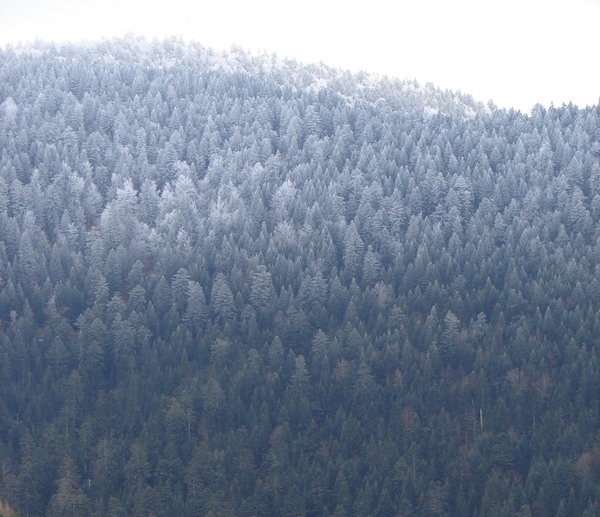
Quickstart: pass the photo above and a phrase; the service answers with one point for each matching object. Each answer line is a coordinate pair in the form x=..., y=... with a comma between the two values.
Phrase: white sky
x=515, y=52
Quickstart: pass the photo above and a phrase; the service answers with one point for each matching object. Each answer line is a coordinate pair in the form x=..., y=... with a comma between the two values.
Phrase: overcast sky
x=515, y=52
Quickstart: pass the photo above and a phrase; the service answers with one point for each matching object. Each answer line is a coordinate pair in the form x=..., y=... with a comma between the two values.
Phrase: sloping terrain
x=238, y=285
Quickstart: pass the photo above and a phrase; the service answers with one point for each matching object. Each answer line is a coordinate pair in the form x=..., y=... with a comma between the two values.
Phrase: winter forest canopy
x=234, y=285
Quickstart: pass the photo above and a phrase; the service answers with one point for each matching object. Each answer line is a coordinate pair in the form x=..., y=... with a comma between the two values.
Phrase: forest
x=238, y=285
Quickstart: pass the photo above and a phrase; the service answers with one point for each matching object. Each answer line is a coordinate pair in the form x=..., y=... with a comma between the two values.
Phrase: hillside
x=239, y=285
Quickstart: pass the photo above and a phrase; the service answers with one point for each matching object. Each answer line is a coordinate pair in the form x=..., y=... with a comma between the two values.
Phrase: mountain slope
x=237, y=285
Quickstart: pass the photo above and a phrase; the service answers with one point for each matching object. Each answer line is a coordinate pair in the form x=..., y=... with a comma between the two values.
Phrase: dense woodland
x=235, y=285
